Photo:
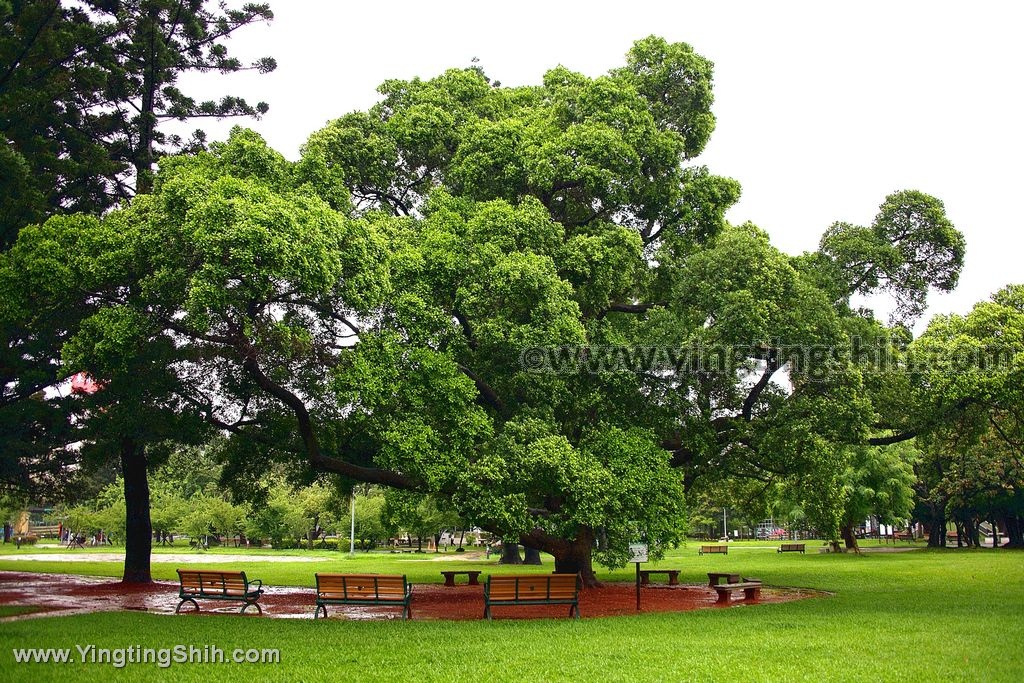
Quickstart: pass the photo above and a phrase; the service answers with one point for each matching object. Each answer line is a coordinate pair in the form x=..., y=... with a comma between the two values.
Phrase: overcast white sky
x=823, y=108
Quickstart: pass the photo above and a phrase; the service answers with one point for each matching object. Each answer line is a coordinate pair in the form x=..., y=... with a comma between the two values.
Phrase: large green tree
x=455, y=291
x=878, y=481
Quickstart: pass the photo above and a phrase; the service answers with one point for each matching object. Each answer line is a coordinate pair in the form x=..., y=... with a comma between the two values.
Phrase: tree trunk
x=572, y=556
x=936, y=532
x=138, y=542
x=510, y=553
x=531, y=556
x=142, y=158
x=578, y=560
x=850, y=538
x=1014, y=531
x=974, y=532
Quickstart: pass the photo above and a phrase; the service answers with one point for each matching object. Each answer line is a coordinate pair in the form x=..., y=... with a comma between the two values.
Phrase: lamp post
x=352, y=530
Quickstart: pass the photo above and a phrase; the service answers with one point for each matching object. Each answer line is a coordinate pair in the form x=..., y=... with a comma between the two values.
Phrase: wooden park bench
x=723, y=549
x=217, y=585
x=363, y=589
x=532, y=589
x=449, y=577
x=791, y=548
x=673, y=575
x=751, y=591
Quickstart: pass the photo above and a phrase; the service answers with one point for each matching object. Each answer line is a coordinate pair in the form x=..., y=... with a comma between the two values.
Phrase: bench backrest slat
x=211, y=582
x=361, y=586
x=532, y=587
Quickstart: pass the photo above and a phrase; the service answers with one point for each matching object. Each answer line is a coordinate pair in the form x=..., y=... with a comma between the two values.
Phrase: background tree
x=373, y=526
x=878, y=481
x=147, y=45
x=84, y=91
x=52, y=155
x=968, y=375
x=82, y=95
x=910, y=248
x=418, y=515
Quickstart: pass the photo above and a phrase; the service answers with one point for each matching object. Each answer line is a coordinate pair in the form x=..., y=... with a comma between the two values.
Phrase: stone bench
x=751, y=591
x=673, y=575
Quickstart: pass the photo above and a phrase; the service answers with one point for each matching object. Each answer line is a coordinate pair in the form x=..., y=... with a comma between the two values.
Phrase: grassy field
x=925, y=615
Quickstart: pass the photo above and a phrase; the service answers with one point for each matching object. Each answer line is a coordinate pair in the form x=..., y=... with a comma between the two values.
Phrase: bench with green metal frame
x=208, y=584
x=363, y=589
x=532, y=589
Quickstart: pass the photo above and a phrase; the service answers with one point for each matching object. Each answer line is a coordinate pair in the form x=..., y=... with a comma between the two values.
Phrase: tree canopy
x=377, y=308
x=87, y=88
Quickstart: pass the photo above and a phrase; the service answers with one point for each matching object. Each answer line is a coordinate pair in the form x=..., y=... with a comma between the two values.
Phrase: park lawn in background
x=418, y=568
x=924, y=615
x=754, y=558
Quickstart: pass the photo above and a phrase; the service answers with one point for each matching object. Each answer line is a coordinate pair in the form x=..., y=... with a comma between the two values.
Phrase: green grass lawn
x=926, y=615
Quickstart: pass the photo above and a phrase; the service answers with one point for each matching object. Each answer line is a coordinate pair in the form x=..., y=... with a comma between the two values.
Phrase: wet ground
x=68, y=594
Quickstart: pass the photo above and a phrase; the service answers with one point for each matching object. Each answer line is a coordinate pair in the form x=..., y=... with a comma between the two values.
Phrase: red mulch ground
x=74, y=594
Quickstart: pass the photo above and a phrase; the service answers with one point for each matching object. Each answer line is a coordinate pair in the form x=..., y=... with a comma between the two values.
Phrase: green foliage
x=910, y=247
x=365, y=311
x=290, y=514
x=373, y=524
x=105, y=513
x=968, y=373
x=85, y=87
x=417, y=515
x=49, y=86
x=878, y=482
x=676, y=81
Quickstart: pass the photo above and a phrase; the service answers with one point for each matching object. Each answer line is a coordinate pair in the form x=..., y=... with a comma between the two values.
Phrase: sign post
x=638, y=554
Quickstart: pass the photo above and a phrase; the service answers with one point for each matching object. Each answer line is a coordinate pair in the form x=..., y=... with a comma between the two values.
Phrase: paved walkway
x=176, y=558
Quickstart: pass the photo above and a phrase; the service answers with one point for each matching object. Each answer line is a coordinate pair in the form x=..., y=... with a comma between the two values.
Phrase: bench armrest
x=257, y=583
